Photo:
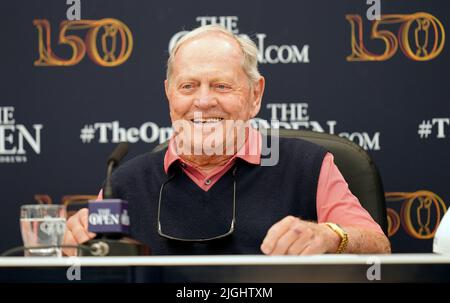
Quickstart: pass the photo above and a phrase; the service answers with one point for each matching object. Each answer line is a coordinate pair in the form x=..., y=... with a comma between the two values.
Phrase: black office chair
x=355, y=164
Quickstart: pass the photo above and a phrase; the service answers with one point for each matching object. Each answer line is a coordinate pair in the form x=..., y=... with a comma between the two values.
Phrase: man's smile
x=211, y=120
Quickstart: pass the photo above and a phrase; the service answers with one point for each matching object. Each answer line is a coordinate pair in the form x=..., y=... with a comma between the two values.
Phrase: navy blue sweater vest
x=264, y=195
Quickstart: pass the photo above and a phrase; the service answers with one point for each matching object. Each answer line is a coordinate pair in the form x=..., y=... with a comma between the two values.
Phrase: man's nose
x=205, y=98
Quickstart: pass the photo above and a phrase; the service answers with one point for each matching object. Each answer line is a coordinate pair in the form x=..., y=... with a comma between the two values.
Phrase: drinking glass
x=42, y=227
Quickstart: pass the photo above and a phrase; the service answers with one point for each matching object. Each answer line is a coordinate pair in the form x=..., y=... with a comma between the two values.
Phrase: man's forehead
x=211, y=73
x=210, y=45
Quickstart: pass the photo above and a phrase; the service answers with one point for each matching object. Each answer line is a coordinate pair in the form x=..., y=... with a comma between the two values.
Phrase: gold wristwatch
x=342, y=234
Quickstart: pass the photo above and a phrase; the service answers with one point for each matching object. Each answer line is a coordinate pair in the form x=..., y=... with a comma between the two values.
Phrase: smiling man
x=207, y=192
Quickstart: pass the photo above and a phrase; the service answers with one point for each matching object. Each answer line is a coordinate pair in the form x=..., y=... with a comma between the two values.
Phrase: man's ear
x=166, y=88
x=257, y=94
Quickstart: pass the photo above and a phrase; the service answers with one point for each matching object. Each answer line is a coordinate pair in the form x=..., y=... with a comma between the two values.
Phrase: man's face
x=208, y=86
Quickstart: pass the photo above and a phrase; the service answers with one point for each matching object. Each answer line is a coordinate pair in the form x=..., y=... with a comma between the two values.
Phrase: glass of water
x=42, y=227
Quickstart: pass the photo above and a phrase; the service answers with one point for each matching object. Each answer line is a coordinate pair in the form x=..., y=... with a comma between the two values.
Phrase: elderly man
x=208, y=193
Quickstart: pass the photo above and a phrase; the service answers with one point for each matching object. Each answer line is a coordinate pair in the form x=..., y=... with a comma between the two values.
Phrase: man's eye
x=187, y=86
x=222, y=86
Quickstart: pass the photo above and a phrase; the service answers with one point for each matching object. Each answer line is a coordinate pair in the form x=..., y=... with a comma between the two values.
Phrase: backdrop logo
x=420, y=36
x=272, y=54
x=295, y=116
x=112, y=132
x=440, y=125
x=16, y=139
x=113, y=37
x=420, y=214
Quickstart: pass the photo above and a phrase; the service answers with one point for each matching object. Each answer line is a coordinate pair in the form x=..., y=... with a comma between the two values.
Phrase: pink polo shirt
x=334, y=201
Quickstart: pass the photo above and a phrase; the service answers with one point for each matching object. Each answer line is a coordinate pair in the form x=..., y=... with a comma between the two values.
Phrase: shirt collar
x=250, y=152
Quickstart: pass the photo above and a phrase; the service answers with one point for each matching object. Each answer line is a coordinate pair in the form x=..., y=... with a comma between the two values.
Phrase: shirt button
x=183, y=165
x=208, y=181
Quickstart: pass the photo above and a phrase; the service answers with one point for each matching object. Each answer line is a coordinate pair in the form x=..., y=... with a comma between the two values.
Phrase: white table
x=242, y=268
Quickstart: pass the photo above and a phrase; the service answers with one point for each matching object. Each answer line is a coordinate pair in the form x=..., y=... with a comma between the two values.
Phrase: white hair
x=248, y=47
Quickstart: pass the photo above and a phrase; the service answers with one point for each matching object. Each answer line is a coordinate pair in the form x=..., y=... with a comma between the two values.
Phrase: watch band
x=342, y=234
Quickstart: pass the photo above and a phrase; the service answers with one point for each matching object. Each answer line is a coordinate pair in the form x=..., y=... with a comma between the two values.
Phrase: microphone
x=109, y=219
x=116, y=156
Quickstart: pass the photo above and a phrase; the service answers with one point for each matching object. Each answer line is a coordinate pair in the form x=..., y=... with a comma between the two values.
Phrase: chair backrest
x=355, y=164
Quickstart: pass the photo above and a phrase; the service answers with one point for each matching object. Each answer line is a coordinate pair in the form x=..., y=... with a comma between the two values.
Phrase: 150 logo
x=420, y=213
x=113, y=36
x=421, y=37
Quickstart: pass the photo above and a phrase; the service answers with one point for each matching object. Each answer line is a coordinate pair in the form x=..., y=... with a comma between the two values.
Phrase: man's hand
x=292, y=236
x=77, y=231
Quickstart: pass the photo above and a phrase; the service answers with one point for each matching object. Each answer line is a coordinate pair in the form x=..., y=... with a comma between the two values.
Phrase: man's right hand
x=77, y=231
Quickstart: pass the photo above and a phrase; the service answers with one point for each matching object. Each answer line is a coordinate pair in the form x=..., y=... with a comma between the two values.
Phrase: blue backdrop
x=71, y=89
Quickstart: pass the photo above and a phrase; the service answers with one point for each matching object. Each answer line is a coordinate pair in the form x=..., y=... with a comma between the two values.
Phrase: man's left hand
x=292, y=236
